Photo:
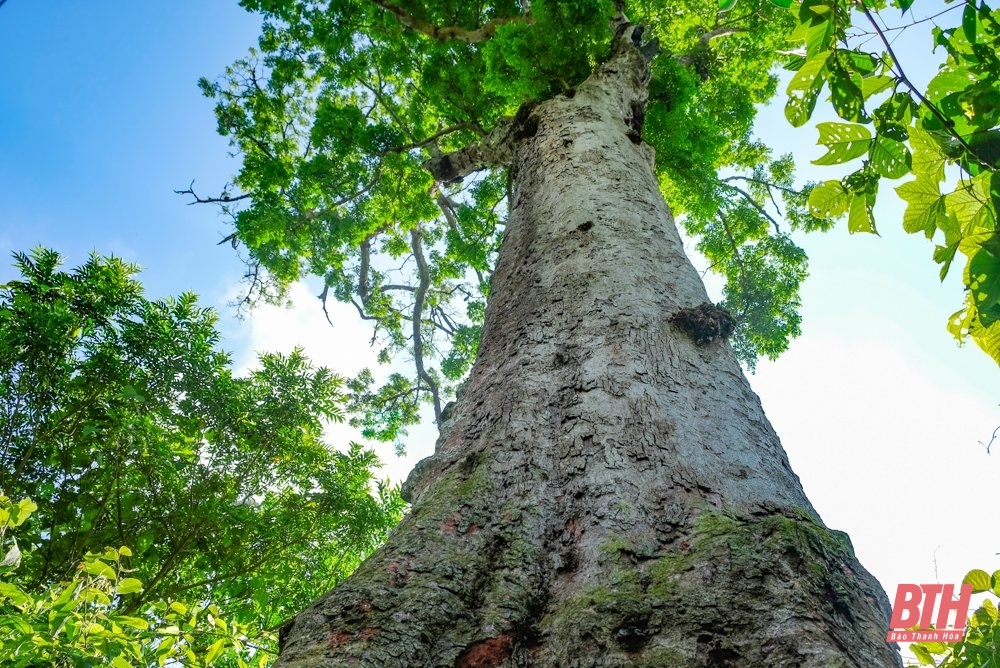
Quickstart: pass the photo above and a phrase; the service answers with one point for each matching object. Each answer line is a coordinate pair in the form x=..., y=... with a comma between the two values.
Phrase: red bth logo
x=914, y=606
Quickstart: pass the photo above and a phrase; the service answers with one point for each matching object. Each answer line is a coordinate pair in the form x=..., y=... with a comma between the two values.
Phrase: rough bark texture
x=606, y=492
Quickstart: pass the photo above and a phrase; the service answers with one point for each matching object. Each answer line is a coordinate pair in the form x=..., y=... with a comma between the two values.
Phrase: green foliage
x=121, y=418
x=916, y=133
x=336, y=110
x=78, y=622
x=980, y=647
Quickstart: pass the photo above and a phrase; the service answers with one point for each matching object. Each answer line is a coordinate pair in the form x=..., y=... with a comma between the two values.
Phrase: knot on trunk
x=704, y=323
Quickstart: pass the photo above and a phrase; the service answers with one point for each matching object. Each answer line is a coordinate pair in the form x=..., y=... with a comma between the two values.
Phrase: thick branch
x=494, y=150
x=443, y=33
x=437, y=135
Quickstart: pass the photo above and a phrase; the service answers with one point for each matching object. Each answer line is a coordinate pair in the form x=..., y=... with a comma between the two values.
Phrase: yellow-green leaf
x=860, y=218
x=129, y=586
x=928, y=158
x=979, y=579
x=844, y=142
x=926, y=210
x=829, y=200
x=214, y=651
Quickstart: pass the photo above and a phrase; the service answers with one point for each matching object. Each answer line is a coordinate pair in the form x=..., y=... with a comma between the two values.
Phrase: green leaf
x=925, y=209
x=99, y=569
x=726, y=5
x=874, y=85
x=135, y=622
x=845, y=91
x=979, y=579
x=214, y=650
x=844, y=141
x=984, y=285
x=890, y=158
x=928, y=158
x=969, y=21
x=923, y=656
x=129, y=586
x=970, y=205
x=804, y=89
x=945, y=255
x=119, y=662
x=904, y=4
x=860, y=218
x=784, y=4
x=829, y=200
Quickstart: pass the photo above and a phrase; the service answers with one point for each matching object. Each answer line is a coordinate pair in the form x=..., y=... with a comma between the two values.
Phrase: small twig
x=993, y=438
x=322, y=299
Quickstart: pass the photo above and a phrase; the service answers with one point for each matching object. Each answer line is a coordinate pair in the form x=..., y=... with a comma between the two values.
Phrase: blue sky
x=880, y=411
x=101, y=120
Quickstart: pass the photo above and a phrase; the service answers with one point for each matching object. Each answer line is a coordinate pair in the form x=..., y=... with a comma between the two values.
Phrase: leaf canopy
x=123, y=422
x=336, y=111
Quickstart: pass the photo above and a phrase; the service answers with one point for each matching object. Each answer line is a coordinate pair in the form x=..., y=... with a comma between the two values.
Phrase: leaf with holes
x=829, y=200
x=845, y=91
x=844, y=142
x=890, y=158
x=860, y=218
x=804, y=89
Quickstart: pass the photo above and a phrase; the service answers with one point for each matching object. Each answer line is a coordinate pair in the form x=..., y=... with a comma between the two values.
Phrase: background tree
x=605, y=490
x=123, y=422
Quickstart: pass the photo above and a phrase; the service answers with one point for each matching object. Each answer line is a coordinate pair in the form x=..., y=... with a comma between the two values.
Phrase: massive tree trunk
x=607, y=490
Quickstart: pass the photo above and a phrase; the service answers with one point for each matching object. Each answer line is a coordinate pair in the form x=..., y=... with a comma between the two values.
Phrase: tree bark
x=606, y=491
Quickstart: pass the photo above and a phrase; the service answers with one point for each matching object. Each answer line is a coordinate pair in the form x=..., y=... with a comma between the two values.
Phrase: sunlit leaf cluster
x=898, y=130
x=80, y=621
x=123, y=421
x=980, y=647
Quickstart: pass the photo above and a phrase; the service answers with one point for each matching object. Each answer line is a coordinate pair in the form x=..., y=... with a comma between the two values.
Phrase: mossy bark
x=607, y=490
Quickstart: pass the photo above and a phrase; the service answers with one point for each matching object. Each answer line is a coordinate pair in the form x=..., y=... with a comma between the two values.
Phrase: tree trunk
x=607, y=491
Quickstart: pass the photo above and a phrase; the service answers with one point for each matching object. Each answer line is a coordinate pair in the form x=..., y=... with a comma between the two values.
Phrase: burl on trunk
x=607, y=490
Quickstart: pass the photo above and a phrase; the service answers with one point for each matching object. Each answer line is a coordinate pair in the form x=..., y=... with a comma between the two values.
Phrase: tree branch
x=418, y=307
x=901, y=75
x=494, y=150
x=763, y=212
x=467, y=125
x=224, y=199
